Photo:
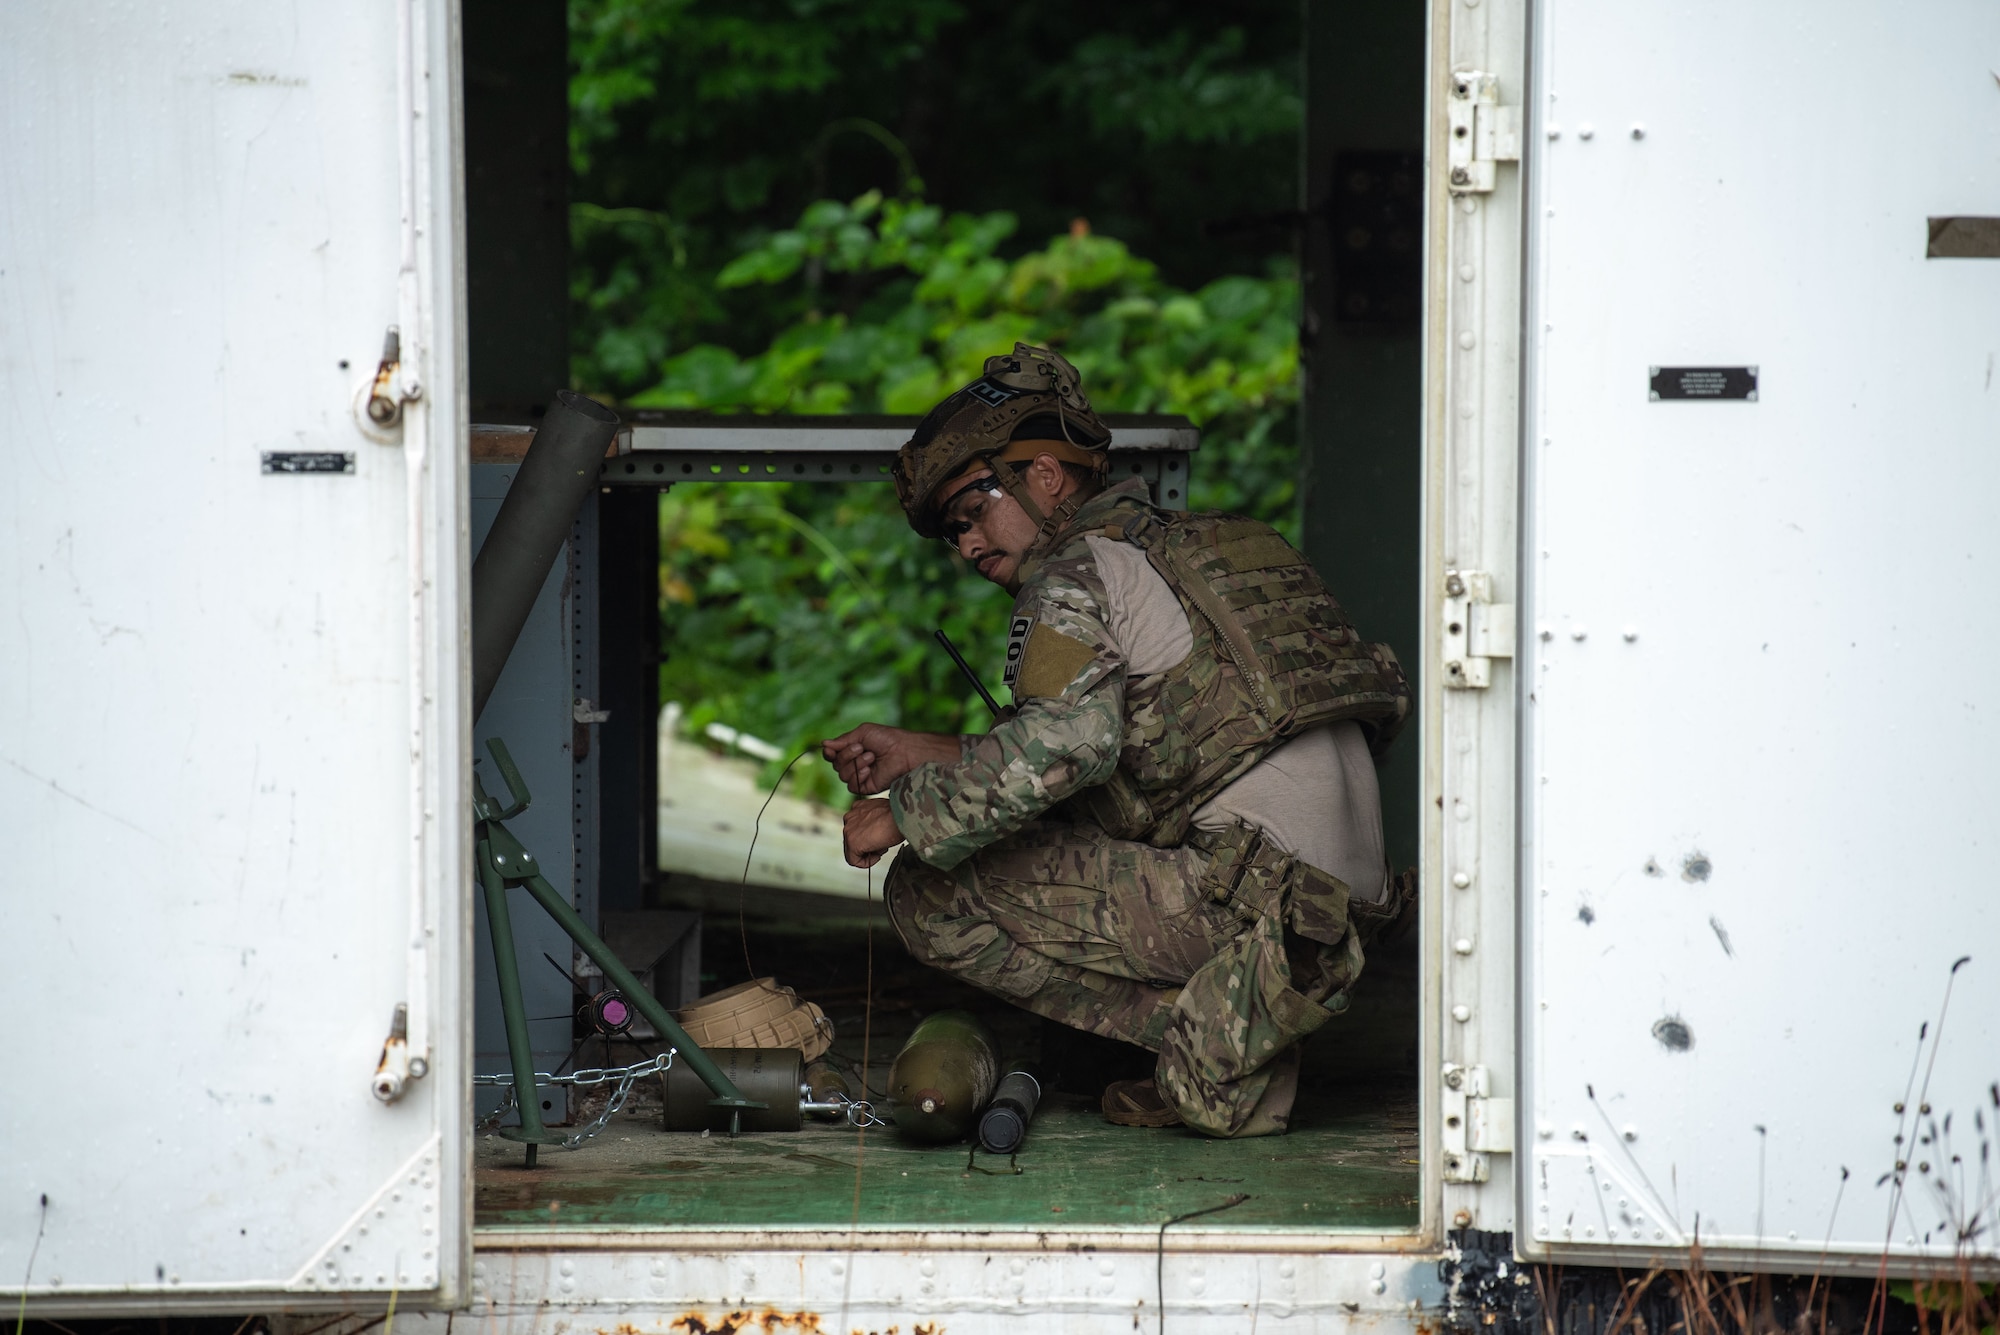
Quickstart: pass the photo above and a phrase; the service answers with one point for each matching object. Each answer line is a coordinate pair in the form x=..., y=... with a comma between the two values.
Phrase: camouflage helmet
x=977, y=422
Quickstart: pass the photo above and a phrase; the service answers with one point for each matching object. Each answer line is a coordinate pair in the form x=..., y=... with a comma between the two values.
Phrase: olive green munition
x=943, y=1077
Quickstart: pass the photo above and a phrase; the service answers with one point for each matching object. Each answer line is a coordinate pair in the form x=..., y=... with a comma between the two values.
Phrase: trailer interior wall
x=233, y=739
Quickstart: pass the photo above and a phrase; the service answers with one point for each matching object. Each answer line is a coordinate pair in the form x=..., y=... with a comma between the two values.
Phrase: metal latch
x=1477, y=630
x=583, y=714
x=1483, y=132
x=1475, y=1124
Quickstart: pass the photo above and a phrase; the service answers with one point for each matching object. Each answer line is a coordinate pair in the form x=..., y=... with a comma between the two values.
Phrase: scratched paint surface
x=1347, y=1164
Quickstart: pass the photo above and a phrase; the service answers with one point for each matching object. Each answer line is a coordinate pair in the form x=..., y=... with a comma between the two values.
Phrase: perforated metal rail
x=657, y=449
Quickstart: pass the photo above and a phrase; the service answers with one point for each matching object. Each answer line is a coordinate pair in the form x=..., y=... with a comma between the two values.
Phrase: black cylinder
x=560, y=468
x=1004, y=1124
x=767, y=1075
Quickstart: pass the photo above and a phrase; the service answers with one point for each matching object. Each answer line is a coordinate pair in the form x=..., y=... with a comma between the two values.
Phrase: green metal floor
x=1349, y=1162
x=1349, y=1167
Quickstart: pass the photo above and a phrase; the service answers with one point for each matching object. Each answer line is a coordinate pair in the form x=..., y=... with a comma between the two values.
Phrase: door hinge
x=1475, y=1124
x=1477, y=630
x=1483, y=133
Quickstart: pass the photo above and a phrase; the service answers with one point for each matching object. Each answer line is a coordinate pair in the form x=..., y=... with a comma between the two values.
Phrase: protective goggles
x=963, y=508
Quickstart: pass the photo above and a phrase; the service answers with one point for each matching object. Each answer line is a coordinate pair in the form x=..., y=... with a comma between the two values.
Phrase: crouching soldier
x=1174, y=837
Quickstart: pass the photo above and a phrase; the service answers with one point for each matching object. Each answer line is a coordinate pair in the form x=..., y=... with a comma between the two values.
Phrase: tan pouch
x=757, y=1014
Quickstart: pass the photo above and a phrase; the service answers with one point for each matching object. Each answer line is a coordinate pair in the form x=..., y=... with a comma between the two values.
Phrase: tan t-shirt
x=1315, y=796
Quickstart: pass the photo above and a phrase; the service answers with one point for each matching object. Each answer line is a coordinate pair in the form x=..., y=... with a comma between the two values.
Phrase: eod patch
x=1017, y=643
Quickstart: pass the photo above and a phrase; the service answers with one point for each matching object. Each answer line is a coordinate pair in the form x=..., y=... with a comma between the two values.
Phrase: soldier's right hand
x=871, y=757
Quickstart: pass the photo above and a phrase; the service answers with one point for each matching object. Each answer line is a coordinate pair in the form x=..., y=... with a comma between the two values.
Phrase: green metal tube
x=507, y=968
x=620, y=977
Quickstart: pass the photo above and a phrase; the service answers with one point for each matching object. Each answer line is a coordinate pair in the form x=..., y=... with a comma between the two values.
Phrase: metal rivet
x=1461, y=1013
x=1577, y=632
x=1585, y=130
x=1631, y=633
x=1638, y=131
x=1463, y=945
x=1461, y=880
x=1630, y=1132
x=1465, y=273
x=1466, y=340
x=1555, y=132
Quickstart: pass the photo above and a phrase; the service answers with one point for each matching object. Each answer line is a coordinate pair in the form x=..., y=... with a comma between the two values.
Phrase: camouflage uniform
x=1219, y=951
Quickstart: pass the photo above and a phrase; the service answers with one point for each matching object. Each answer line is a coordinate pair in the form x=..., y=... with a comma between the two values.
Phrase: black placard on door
x=1703, y=382
x=308, y=461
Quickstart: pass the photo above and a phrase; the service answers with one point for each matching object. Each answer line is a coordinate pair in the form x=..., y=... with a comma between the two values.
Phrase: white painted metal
x=542, y=1291
x=1472, y=278
x=1759, y=772
x=232, y=734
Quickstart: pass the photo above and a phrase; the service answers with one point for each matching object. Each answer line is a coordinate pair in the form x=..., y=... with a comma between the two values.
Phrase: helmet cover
x=977, y=422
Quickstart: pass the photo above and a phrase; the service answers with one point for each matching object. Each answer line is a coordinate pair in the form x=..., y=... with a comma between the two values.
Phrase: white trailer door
x=231, y=728
x=1761, y=738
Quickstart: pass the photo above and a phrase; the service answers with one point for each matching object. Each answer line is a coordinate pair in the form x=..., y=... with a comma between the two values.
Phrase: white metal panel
x=1472, y=315
x=231, y=730
x=1210, y=1284
x=1758, y=659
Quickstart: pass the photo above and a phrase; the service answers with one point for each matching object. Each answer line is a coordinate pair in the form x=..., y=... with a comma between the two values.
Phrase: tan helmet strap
x=1052, y=523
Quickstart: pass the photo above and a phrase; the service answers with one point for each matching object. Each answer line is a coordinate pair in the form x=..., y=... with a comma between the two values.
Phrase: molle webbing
x=1301, y=660
x=1273, y=658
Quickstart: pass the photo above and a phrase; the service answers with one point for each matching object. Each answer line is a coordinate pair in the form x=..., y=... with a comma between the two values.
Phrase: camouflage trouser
x=1218, y=955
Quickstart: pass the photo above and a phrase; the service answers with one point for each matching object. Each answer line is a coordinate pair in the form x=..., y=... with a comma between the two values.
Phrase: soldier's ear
x=1048, y=473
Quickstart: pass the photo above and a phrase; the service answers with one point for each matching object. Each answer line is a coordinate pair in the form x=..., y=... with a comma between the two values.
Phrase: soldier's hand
x=873, y=756
x=868, y=831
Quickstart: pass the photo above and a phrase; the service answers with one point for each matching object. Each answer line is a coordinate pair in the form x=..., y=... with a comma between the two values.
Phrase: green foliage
x=797, y=611
x=714, y=268
x=698, y=126
x=900, y=303
x=795, y=629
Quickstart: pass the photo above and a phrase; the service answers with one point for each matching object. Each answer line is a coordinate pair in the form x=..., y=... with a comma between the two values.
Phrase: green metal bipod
x=505, y=862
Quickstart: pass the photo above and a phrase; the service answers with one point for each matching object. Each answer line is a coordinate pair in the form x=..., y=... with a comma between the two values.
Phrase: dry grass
x=1701, y=1301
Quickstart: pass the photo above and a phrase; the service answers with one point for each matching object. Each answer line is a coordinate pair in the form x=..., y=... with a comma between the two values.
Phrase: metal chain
x=856, y=1112
x=626, y=1076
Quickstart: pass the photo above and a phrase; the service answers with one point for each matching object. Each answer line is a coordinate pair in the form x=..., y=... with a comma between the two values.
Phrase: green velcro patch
x=1262, y=551
x=1050, y=662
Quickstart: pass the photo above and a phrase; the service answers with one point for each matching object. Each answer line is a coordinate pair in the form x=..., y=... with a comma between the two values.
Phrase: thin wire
x=867, y=1033
x=1160, y=1256
x=757, y=828
x=861, y=1130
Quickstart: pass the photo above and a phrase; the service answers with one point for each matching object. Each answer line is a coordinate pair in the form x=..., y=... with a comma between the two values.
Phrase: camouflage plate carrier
x=1274, y=657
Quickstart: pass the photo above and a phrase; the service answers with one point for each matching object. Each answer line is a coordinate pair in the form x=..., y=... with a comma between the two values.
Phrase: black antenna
x=966, y=668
